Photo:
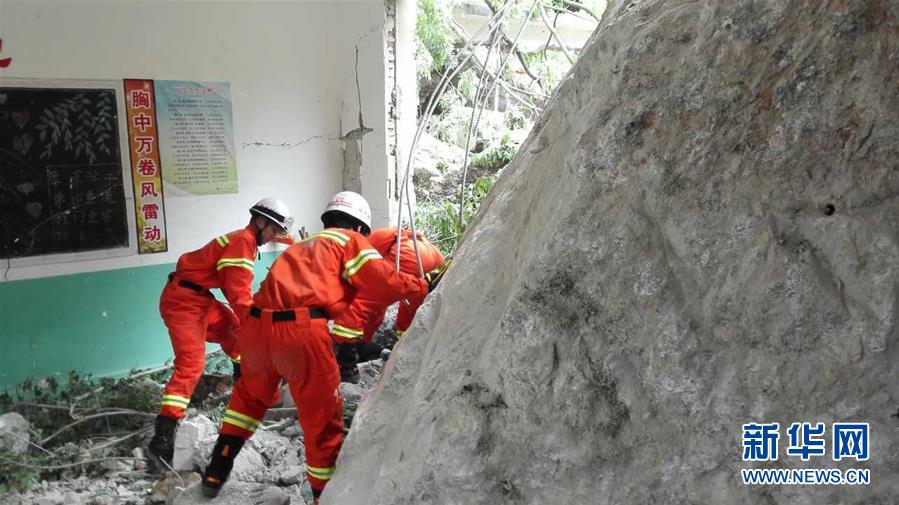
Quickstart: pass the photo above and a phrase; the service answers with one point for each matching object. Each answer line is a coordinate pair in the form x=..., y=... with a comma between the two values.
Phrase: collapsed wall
x=699, y=233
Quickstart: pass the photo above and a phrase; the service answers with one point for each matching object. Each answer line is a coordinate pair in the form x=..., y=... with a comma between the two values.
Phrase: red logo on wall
x=4, y=62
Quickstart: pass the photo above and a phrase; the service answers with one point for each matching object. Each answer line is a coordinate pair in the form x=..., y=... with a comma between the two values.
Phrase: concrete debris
x=190, y=432
x=700, y=232
x=140, y=462
x=233, y=493
x=14, y=434
x=172, y=484
x=292, y=475
x=248, y=466
x=128, y=488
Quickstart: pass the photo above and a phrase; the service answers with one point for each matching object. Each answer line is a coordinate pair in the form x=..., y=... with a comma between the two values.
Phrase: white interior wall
x=291, y=66
x=371, y=85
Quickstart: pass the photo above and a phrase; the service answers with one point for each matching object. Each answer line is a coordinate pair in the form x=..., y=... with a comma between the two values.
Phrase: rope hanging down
x=492, y=25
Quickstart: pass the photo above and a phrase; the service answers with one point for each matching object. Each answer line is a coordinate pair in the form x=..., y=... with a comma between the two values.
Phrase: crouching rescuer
x=355, y=328
x=193, y=316
x=286, y=336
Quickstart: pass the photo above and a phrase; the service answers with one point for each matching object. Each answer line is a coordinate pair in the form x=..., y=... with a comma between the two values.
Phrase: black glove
x=433, y=277
x=236, y=372
x=347, y=357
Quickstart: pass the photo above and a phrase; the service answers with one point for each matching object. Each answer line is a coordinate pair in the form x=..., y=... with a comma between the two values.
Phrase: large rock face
x=701, y=232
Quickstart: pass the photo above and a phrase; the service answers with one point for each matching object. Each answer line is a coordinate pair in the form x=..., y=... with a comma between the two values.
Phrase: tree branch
x=502, y=83
x=518, y=54
x=582, y=7
x=121, y=412
x=555, y=33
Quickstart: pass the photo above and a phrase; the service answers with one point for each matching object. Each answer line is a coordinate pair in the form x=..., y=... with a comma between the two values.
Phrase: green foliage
x=494, y=158
x=17, y=478
x=467, y=84
x=440, y=221
x=435, y=33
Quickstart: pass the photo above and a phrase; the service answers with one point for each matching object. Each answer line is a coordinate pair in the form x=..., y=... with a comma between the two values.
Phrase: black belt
x=290, y=315
x=190, y=285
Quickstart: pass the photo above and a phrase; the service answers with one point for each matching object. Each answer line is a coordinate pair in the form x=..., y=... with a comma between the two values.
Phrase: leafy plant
x=440, y=221
x=19, y=478
x=434, y=31
x=494, y=158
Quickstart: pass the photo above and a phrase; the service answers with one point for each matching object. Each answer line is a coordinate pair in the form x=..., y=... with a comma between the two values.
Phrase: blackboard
x=61, y=187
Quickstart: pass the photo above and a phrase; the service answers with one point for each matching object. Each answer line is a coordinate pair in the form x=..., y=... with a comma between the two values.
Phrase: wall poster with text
x=196, y=137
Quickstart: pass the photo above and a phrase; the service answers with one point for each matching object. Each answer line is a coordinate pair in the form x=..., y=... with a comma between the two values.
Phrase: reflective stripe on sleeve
x=353, y=266
x=234, y=262
x=223, y=240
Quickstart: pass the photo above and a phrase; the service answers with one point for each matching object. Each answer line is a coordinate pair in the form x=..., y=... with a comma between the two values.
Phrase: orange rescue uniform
x=364, y=315
x=286, y=336
x=193, y=315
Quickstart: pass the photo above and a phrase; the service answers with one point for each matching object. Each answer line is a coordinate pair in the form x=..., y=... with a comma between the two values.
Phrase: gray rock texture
x=700, y=232
x=14, y=434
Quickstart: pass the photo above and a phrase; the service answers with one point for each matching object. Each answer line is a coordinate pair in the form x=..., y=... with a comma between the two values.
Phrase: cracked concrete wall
x=377, y=136
x=363, y=117
x=699, y=233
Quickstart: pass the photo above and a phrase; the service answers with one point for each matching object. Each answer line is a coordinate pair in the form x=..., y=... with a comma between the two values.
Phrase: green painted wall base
x=103, y=323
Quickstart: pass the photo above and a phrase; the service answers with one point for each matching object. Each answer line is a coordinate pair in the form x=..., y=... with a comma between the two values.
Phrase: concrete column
x=402, y=96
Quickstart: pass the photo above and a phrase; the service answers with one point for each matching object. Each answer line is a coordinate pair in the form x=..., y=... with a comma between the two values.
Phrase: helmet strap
x=258, y=229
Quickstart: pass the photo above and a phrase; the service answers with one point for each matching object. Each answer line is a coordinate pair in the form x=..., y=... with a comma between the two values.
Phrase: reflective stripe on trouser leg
x=258, y=385
x=346, y=333
x=323, y=474
x=315, y=386
x=241, y=421
x=184, y=313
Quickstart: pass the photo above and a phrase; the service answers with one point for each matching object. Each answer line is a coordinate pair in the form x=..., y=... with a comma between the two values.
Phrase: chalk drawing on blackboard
x=61, y=183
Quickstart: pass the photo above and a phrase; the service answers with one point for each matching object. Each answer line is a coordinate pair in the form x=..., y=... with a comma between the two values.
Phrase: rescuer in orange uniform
x=286, y=336
x=193, y=316
x=356, y=326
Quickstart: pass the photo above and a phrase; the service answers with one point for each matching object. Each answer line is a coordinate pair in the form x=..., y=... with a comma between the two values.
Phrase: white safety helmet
x=351, y=204
x=275, y=210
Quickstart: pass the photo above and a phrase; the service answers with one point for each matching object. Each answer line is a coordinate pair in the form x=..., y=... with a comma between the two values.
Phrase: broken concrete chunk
x=171, y=484
x=51, y=498
x=190, y=432
x=293, y=475
x=233, y=493
x=248, y=466
x=14, y=435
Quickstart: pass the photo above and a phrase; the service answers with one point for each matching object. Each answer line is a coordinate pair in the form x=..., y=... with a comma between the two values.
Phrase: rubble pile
x=269, y=470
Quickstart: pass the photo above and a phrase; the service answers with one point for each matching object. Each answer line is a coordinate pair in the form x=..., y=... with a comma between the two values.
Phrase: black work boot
x=223, y=454
x=162, y=445
x=347, y=357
